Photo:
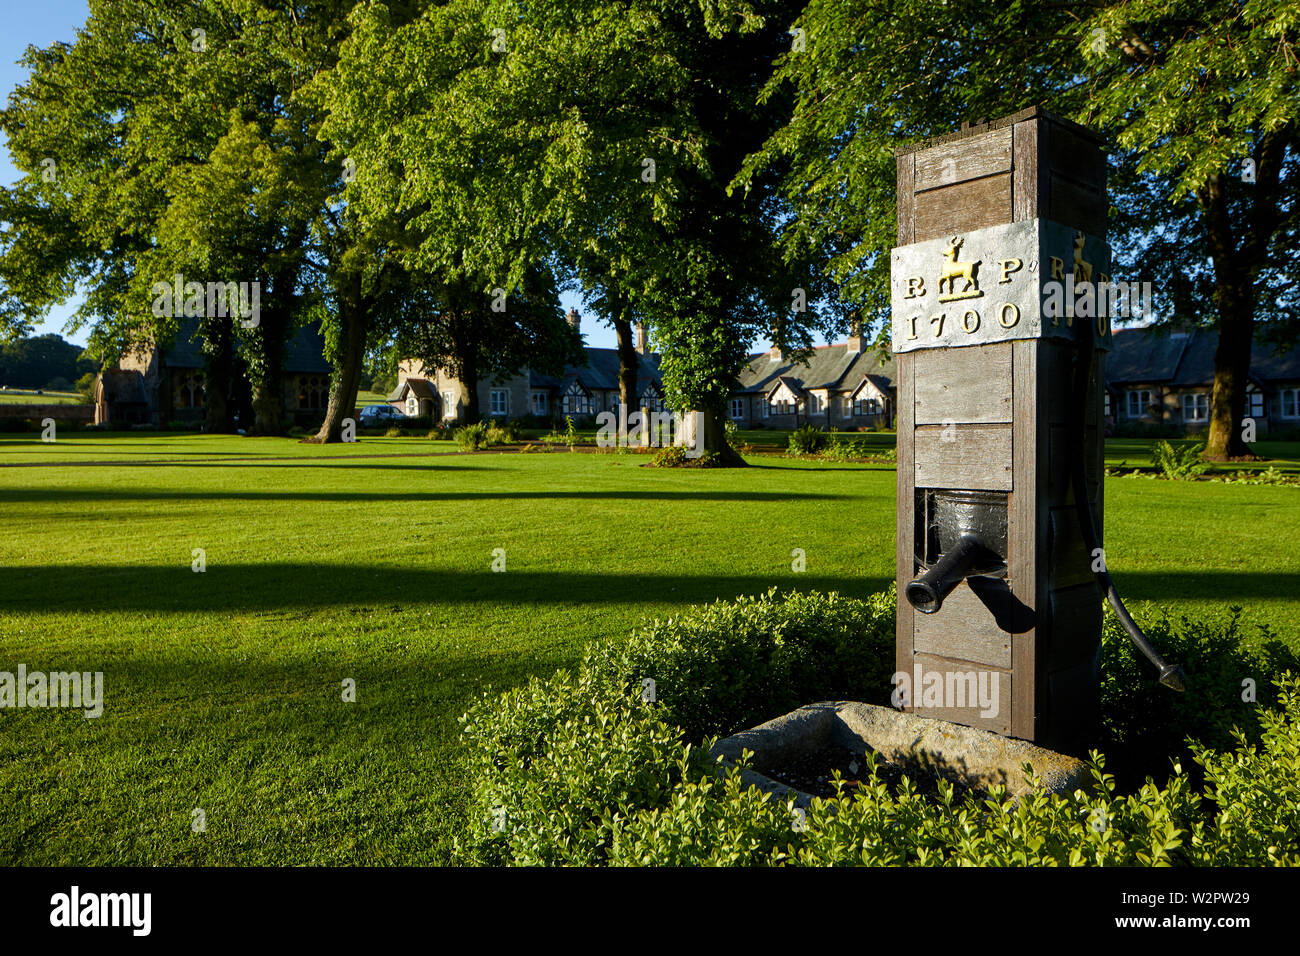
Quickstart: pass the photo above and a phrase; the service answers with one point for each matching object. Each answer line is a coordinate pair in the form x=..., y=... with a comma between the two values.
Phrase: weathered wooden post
x=1001, y=233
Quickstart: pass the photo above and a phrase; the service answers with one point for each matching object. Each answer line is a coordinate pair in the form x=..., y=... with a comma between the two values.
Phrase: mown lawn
x=224, y=689
x=29, y=396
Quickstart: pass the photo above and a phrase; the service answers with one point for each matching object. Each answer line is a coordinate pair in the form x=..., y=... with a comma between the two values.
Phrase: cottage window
x=189, y=391
x=1106, y=401
x=867, y=406
x=448, y=405
x=1290, y=402
x=1196, y=407
x=539, y=403
x=737, y=408
x=500, y=402
x=575, y=401
x=1139, y=401
x=412, y=405
x=313, y=391
x=650, y=399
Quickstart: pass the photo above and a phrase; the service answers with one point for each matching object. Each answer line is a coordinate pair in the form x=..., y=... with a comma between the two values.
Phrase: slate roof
x=123, y=386
x=600, y=372
x=1155, y=356
x=829, y=366
x=422, y=388
x=304, y=352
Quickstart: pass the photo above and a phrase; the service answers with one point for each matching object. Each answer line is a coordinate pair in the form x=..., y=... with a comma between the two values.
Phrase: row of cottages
x=843, y=387
x=580, y=392
x=158, y=384
x=1158, y=378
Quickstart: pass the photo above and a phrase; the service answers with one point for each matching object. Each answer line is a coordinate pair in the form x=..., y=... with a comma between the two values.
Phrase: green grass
x=15, y=396
x=223, y=689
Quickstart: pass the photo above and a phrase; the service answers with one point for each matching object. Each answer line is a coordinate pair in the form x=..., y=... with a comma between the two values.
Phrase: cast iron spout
x=927, y=592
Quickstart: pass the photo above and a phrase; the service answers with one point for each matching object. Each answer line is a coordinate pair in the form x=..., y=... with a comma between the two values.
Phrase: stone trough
x=974, y=757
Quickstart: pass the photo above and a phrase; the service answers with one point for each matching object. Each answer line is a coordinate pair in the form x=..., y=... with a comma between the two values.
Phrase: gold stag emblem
x=954, y=270
x=1082, y=269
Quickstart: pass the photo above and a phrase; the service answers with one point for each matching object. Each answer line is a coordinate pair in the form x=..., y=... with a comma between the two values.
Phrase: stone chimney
x=641, y=344
x=855, y=337
x=575, y=320
x=775, y=353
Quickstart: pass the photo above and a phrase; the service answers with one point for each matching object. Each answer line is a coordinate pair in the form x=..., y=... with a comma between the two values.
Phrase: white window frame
x=737, y=408
x=1196, y=406
x=1282, y=396
x=448, y=406
x=1254, y=403
x=412, y=405
x=502, y=408
x=539, y=403
x=1106, y=404
x=1141, y=398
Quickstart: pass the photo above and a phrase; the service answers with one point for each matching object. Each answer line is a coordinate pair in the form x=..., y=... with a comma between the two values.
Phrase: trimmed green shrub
x=555, y=761
x=1145, y=724
x=590, y=768
x=722, y=667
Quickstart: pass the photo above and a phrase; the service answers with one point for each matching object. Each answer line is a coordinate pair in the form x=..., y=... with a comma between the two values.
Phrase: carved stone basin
x=976, y=758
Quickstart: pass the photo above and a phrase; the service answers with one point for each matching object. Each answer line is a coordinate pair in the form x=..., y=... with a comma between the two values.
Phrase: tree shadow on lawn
x=231, y=588
x=71, y=495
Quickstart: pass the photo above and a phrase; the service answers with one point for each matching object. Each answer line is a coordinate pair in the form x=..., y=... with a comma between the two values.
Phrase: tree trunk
x=627, y=364
x=715, y=439
x=354, y=319
x=1235, y=303
x=268, y=392
x=220, y=374
x=469, y=382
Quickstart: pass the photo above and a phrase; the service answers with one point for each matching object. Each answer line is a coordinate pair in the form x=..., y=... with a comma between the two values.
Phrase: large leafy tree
x=1187, y=90
x=604, y=133
x=155, y=172
x=187, y=142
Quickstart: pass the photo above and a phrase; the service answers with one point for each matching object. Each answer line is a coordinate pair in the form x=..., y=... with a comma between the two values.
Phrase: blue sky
x=42, y=22
x=38, y=23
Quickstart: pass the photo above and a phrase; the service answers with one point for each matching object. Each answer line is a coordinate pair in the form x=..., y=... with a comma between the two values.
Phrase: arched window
x=189, y=390
x=313, y=391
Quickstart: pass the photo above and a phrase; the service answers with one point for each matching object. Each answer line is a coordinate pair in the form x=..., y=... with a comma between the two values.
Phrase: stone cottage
x=160, y=384
x=1156, y=377
x=581, y=391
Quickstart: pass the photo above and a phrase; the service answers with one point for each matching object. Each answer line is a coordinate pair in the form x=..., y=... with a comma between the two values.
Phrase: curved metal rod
x=1171, y=675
